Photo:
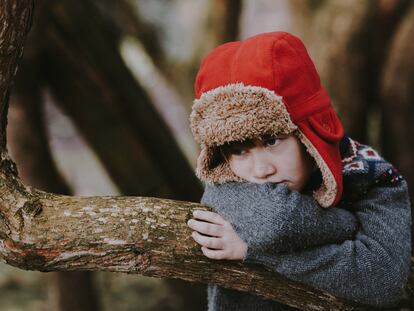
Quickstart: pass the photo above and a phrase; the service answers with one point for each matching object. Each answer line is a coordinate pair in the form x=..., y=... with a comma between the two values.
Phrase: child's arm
x=272, y=216
x=372, y=268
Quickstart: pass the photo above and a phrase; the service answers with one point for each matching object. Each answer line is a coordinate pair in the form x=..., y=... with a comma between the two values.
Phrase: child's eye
x=272, y=141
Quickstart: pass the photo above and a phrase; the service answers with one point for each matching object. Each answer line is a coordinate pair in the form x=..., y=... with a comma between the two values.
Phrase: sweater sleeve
x=371, y=268
x=271, y=217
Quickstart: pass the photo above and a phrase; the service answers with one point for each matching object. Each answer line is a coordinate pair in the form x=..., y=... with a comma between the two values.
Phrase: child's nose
x=262, y=167
x=263, y=171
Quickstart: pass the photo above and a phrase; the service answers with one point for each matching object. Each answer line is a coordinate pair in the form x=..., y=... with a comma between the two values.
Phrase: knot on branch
x=32, y=208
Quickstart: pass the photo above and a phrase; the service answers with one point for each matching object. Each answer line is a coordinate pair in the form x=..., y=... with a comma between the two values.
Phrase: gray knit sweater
x=359, y=250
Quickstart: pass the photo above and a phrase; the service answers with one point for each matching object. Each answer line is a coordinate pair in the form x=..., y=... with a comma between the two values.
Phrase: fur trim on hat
x=211, y=174
x=236, y=112
x=326, y=193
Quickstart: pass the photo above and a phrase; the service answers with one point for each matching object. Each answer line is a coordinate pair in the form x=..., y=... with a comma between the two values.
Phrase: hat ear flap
x=327, y=125
x=212, y=168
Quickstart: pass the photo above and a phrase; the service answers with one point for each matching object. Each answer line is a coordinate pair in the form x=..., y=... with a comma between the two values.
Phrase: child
x=292, y=192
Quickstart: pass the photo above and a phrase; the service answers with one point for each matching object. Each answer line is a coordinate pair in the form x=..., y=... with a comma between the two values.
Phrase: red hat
x=266, y=84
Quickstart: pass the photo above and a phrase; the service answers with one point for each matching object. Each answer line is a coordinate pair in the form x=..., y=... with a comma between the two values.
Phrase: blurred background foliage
x=101, y=101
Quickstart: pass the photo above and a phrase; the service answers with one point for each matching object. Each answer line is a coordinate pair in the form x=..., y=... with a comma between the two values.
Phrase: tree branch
x=144, y=235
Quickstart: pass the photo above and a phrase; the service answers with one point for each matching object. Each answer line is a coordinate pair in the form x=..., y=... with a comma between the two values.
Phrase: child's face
x=278, y=159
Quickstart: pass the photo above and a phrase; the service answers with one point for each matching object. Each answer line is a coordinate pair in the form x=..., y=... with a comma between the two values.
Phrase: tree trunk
x=335, y=34
x=16, y=20
x=226, y=17
x=73, y=290
x=127, y=22
x=397, y=92
x=89, y=79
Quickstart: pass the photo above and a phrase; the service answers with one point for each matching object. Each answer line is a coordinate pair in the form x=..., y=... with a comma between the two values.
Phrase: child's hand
x=221, y=242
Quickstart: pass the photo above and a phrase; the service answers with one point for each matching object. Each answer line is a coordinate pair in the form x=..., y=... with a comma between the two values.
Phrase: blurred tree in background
x=123, y=71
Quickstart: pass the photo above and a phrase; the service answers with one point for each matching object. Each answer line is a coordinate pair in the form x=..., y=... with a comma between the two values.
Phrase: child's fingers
x=213, y=254
x=206, y=227
x=209, y=216
x=210, y=242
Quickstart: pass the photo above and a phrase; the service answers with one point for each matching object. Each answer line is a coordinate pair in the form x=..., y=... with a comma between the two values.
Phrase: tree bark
x=16, y=20
x=46, y=232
